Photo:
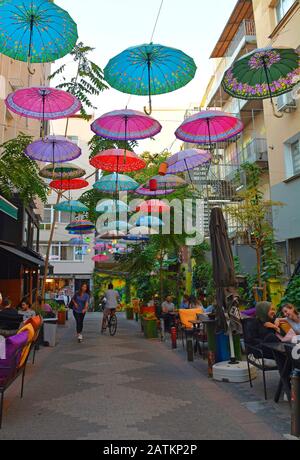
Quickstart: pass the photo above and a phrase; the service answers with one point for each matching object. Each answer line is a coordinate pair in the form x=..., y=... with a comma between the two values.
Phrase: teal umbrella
x=150, y=69
x=112, y=207
x=115, y=183
x=72, y=207
x=35, y=30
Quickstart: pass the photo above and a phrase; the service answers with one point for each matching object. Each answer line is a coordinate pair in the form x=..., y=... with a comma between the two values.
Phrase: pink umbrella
x=126, y=125
x=145, y=191
x=153, y=206
x=118, y=160
x=42, y=103
x=100, y=258
x=209, y=127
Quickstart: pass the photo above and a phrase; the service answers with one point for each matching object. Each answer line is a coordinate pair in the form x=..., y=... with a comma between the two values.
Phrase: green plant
x=19, y=174
x=293, y=293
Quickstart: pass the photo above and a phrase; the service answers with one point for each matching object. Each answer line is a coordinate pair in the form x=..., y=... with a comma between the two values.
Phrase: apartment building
x=21, y=264
x=278, y=24
x=71, y=265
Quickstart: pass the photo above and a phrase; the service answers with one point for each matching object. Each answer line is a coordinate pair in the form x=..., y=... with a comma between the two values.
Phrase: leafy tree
x=88, y=81
x=19, y=174
x=99, y=144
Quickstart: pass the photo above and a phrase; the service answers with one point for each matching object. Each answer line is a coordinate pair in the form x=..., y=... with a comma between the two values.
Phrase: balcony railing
x=246, y=29
x=255, y=151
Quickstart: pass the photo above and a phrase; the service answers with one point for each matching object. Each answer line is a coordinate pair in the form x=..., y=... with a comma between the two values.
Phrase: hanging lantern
x=153, y=185
x=163, y=169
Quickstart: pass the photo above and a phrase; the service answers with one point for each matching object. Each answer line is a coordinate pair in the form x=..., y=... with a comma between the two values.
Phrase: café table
x=210, y=327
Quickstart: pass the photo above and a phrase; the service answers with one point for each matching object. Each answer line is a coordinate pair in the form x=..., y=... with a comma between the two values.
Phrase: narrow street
x=126, y=388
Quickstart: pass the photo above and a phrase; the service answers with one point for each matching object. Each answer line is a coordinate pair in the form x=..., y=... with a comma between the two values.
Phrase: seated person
x=195, y=303
x=10, y=320
x=168, y=308
x=292, y=317
x=185, y=304
x=26, y=310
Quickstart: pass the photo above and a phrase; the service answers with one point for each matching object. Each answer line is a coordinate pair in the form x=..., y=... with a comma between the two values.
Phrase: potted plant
x=129, y=312
x=149, y=323
x=62, y=316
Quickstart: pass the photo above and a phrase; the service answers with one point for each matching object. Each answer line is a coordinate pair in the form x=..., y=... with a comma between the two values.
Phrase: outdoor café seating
x=186, y=327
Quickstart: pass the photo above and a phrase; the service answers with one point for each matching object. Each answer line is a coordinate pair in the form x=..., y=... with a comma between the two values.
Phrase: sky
x=194, y=26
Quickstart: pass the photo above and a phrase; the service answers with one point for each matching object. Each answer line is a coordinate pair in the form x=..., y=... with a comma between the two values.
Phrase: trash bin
x=49, y=331
x=223, y=347
x=150, y=329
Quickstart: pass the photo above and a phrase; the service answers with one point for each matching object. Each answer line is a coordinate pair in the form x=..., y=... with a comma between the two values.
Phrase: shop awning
x=23, y=255
x=8, y=208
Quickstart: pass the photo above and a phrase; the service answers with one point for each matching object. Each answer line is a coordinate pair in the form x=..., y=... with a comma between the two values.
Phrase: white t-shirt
x=112, y=298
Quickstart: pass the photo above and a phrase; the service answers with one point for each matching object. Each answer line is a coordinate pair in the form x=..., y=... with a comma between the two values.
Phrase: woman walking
x=80, y=303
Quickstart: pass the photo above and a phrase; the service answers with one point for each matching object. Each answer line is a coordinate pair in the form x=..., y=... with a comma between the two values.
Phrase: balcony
x=246, y=33
x=254, y=152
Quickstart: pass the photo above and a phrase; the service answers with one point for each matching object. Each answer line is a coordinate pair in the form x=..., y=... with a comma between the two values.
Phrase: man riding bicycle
x=112, y=300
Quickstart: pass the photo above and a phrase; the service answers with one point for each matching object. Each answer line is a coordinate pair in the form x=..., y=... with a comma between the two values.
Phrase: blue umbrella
x=149, y=221
x=116, y=183
x=136, y=238
x=35, y=30
x=71, y=206
x=77, y=242
x=150, y=69
x=112, y=207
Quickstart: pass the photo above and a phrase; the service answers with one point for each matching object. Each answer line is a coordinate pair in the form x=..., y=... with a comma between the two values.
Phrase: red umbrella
x=153, y=206
x=73, y=184
x=118, y=160
x=100, y=258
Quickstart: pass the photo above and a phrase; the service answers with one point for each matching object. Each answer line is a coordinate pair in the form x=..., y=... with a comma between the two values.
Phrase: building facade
x=72, y=265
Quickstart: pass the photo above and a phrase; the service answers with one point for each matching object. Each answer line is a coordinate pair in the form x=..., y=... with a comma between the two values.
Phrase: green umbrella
x=263, y=74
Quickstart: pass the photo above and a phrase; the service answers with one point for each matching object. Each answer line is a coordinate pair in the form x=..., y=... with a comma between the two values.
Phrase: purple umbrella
x=187, y=160
x=55, y=149
x=144, y=191
x=126, y=125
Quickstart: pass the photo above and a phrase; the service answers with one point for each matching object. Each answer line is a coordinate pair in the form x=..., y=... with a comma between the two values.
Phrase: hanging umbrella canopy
x=36, y=31
x=223, y=263
x=42, y=103
x=126, y=125
x=77, y=242
x=112, y=235
x=145, y=191
x=153, y=206
x=55, y=149
x=209, y=127
x=112, y=207
x=142, y=231
x=263, y=74
x=101, y=247
x=62, y=171
x=187, y=160
x=150, y=69
x=116, y=183
x=73, y=184
x=117, y=225
x=100, y=258
x=149, y=221
x=118, y=160
x=136, y=239
x=81, y=226
x=71, y=206
x=170, y=181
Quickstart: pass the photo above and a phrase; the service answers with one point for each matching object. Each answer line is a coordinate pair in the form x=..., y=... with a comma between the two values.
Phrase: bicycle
x=111, y=323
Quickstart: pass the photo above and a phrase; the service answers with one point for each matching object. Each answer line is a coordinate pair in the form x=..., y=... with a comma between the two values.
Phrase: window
x=47, y=214
x=74, y=139
x=282, y=8
x=295, y=151
x=62, y=252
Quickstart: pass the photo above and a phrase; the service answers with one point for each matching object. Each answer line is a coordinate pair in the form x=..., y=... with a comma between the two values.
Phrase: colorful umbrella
x=209, y=127
x=55, y=149
x=153, y=206
x=187, y=160
x=35, y=31
x=263, y=74
x=112, y=235
x=117, y=225
x=77, y=242
x=116, y=183
x=81, y=226
x=42, y=103
x=142, y=231
x=101, y=258
x=117, y=160
x=167, y=182
x=71, y=206
x=149, y=221
x=112, y=207
x=62, y=171
x=126, y=125
x=73, y=184
x=136, y=238
x=145, y=191
x=150, y=69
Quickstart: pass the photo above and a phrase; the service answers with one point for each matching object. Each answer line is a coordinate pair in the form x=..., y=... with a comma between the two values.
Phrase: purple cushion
x=14, y=347
x=251, y=312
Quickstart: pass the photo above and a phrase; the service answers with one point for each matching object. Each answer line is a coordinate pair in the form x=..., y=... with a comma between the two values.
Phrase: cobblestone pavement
x=127, y=388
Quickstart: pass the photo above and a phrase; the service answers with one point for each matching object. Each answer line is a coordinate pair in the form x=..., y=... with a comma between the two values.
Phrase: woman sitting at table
x=292, y=317
x=196, y=303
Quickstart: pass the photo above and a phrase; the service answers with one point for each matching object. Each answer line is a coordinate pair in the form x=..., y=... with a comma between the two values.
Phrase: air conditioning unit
x=286, y=103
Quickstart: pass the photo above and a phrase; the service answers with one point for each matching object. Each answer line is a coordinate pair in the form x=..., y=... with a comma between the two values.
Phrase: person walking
x=80, y=303
x=112, y=299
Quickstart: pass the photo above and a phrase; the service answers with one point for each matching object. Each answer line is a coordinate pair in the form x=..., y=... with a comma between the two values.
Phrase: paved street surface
x=127, y=388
